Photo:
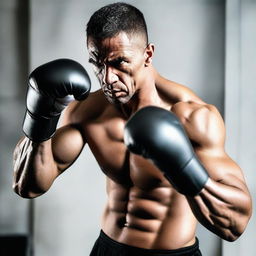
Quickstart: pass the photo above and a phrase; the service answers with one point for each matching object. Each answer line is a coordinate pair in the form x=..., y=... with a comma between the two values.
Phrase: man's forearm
x=34, y=168
x=223, y=209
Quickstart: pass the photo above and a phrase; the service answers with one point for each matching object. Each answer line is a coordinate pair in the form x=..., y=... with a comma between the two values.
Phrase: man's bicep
x=67, y=144
x=69, y=140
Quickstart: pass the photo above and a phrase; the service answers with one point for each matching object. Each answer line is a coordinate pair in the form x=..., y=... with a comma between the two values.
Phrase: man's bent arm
x=36, y=165
x=224, y=205
x=43, y=154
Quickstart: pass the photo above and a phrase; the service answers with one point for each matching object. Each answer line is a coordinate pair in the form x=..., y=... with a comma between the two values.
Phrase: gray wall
x=240, y=105
x=13, y=73
x=189, y=37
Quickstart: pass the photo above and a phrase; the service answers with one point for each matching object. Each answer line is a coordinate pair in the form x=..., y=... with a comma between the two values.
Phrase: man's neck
x=145, y=95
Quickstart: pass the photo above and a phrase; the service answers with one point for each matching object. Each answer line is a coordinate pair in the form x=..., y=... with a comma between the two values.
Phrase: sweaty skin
x=143, y=209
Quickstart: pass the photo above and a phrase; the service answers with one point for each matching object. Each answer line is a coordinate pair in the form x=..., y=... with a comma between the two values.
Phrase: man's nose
x=109, y=75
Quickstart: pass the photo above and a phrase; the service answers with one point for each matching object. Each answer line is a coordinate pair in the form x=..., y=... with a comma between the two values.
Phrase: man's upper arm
x=224, y=204
x=68, y=141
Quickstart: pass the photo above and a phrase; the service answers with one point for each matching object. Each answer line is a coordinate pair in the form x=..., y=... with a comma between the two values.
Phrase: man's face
x=118, y=64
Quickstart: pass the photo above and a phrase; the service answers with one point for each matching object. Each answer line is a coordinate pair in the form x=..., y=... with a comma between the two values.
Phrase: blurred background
x=208, y=45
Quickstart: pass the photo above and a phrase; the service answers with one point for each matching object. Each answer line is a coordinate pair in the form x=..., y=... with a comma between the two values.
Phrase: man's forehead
x=119, y=43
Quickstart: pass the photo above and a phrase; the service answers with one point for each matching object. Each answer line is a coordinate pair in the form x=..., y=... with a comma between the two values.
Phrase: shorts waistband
x=184, y=251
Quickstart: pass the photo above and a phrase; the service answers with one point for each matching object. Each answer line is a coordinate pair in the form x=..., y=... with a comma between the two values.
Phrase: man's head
x=112, y=19
x=118, y=47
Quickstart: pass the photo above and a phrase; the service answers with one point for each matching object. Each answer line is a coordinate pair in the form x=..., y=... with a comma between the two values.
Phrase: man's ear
x=149, y=51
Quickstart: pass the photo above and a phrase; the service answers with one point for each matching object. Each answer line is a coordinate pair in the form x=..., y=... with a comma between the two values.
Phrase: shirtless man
x=159, y=182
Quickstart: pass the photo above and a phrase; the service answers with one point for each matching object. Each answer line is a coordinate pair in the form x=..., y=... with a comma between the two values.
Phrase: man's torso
x=143, y=209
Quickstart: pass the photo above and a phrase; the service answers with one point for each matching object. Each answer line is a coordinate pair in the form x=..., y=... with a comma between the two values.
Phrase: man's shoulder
x=187, y=109
x=174, y=92
x=202, y=122
x=90, y=108
x=185, y=103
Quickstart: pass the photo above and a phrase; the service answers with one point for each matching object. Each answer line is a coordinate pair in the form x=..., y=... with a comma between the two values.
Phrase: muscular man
x=160, y=146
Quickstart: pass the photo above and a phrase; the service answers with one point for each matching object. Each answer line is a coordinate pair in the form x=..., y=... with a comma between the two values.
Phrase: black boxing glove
x=50, y=88
x=157, y=134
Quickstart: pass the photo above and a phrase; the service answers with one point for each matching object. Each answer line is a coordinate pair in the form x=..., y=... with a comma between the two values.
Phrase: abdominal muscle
x=159, y=218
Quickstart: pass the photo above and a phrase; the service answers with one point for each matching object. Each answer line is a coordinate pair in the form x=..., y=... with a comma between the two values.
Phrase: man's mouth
x=119, y=93
x=114, y=92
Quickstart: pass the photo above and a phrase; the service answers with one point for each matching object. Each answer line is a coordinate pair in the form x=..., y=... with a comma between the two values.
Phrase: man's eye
x=92, y=61
x=118, y=62
x=95, y=63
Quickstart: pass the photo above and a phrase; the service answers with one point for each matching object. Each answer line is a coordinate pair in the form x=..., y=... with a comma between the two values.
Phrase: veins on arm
x=223, y=206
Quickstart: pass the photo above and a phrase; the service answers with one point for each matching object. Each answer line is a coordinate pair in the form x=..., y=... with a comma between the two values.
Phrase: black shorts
x=104, y=245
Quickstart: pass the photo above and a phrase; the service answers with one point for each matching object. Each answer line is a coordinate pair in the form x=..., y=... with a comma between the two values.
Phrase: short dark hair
x=114, y=18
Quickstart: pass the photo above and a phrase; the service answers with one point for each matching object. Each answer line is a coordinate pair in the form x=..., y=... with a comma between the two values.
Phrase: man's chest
x=105, y=139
